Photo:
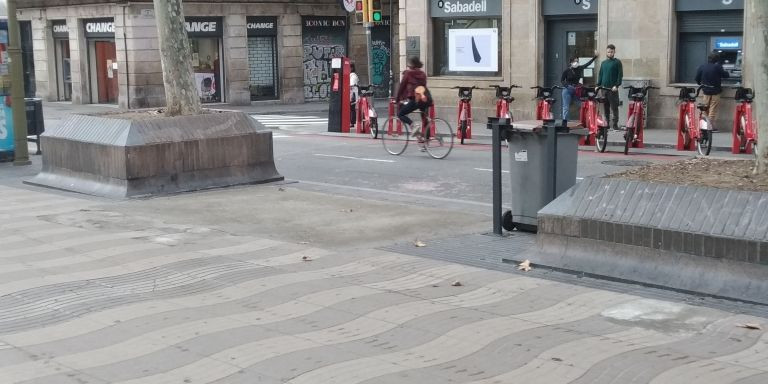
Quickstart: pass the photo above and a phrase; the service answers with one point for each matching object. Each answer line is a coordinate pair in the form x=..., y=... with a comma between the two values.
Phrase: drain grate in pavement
x=626, y=163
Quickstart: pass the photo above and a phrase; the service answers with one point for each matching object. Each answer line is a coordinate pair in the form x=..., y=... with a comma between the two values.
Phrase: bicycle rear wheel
x=704, y=142
x=395, y=142
x=601, y=141
x=629, y=137
x=440, y=144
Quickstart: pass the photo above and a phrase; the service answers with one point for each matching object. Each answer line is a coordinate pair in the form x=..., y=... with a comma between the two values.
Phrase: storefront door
x=106, y=75
x=566, y=39
x=262, y=57
x=205, y=40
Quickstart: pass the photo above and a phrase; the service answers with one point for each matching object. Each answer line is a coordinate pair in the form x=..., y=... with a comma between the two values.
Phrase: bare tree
x=180, y=92
x=756, y=63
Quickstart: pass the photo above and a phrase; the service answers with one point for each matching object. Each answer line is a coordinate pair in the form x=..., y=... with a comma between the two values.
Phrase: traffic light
x=360, y=14
x=375, y=11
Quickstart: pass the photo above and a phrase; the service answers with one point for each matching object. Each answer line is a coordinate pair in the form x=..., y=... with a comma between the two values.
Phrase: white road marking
x=355, y=158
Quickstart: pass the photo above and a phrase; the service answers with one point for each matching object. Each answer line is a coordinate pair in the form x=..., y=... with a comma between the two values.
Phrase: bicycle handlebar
x=504, y=86
x=472, y=87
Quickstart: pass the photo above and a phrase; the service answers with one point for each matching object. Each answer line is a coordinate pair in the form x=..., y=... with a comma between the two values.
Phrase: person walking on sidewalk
x=711, y=76
x=413, y=77
x=610, y=76
x=571, y=81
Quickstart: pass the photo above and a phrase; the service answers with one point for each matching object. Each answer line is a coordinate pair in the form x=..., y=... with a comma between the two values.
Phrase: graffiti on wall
x=323, y=38
x=318, y=52
x=381, y=51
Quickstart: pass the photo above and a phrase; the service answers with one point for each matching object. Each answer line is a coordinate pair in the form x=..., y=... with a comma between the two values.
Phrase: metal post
x=19, y=110
x=496, y=174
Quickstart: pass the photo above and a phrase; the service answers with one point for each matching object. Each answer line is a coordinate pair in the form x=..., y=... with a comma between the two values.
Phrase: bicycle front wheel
x=374, y=126
x=394, y=136
x=438, y=142
x=629, y=137
x=704, y=142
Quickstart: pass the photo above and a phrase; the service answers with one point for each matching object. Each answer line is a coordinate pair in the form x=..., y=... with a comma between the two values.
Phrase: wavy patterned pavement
x=86, y=302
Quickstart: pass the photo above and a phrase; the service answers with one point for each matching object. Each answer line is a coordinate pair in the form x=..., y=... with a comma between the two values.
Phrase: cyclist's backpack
x=422, y=95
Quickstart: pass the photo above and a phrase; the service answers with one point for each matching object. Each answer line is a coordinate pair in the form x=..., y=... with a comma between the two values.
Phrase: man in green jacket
x=610, y=76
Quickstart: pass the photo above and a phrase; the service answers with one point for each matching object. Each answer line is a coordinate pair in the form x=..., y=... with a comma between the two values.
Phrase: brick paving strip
x=106, y=305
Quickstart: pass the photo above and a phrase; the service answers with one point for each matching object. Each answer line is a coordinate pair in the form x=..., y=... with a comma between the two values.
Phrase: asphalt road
x=358, y=166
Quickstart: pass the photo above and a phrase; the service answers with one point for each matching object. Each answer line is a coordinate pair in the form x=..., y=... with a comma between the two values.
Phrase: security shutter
x=709, y=21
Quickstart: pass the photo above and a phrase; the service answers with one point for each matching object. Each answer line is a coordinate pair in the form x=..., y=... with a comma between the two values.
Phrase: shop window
x=467, y=47
x=205, y=62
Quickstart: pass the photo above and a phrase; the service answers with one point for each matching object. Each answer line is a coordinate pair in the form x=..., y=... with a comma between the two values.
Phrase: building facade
x=528, y=42
x=92, y=51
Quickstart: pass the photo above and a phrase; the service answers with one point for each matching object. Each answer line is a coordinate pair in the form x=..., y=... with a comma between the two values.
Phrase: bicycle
x=636, y=117
x=464, y=112
x=744, y=129
x=590, y=118
x=503, y=98
x=545, y=101
x=435, y=136
x=367, y=118
x=689, y=129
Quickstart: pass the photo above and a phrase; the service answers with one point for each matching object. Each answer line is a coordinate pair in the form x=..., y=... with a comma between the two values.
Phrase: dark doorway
x=27, y=58
x=566, y=38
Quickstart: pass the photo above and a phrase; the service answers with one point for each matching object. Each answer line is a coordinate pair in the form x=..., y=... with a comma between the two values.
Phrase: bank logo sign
x=454, y=8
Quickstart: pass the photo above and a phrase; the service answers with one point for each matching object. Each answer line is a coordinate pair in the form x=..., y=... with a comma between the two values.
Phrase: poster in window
x=473, y=50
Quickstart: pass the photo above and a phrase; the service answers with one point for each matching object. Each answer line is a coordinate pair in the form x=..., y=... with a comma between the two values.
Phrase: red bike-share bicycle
x=503, y=99
x=367, y=119
x=545, y=101
x=691, y=130
x=744, y=129
x=637, y=115
x=464, y=113
x=590, y=118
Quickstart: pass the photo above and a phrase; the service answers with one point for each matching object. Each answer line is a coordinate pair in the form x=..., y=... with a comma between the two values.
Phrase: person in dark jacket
x=610, y=76
x=711, y=75
x=571, y=80
x=412, y=78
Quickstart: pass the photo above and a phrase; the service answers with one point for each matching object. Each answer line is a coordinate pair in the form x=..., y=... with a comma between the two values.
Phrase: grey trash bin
x=35, y=123
x=542, y=166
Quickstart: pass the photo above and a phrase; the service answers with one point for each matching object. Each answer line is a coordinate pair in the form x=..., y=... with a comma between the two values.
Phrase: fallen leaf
x=457, y=283
x=346, y=210
x=525, y=266
x=750, y=326
x=306, y=258
x=303, y=242
x=435, y=285
x=419, y=243
x=281, y=189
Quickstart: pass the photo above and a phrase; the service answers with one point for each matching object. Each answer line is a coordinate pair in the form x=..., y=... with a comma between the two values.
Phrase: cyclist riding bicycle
x=412, y=91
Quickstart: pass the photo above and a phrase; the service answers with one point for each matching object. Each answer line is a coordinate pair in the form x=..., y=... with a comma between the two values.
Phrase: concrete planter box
x=699, y=239
x=137, y=154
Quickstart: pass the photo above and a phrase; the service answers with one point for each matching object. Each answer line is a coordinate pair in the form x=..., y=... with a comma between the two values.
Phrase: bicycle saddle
x=687, y=93
x=702, y=107
x=744, y=94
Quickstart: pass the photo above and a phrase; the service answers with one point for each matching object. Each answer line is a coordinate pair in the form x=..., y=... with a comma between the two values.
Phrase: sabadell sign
x=455, y=8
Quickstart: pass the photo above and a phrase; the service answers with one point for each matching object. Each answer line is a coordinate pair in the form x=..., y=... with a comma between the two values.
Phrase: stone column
x=78, y=51
x=235, y=58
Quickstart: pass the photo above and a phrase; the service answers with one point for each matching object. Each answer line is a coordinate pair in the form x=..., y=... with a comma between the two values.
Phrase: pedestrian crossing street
x=290, y=121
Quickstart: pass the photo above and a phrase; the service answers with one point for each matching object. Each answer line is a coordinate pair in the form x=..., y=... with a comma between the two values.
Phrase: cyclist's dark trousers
x=352, y=110
x=409, y=107
x=612, y=108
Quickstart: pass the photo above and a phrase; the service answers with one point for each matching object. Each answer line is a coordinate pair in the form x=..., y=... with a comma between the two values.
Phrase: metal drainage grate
x=626, y=163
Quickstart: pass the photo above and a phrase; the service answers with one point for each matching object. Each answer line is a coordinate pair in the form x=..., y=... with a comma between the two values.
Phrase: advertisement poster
x=473, y=50
x=6, y=126
x=206, y=85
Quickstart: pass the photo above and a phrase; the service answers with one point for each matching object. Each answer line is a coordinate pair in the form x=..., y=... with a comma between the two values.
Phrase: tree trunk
x=180, y=92
x=756, y=63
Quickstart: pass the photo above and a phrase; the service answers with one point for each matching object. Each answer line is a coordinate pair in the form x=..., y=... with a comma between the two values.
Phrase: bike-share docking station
x=339, y=109
x=542, y=165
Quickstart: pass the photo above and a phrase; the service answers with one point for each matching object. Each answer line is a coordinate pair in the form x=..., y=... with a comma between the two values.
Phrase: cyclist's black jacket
x=571, y=76
x=711, y=74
